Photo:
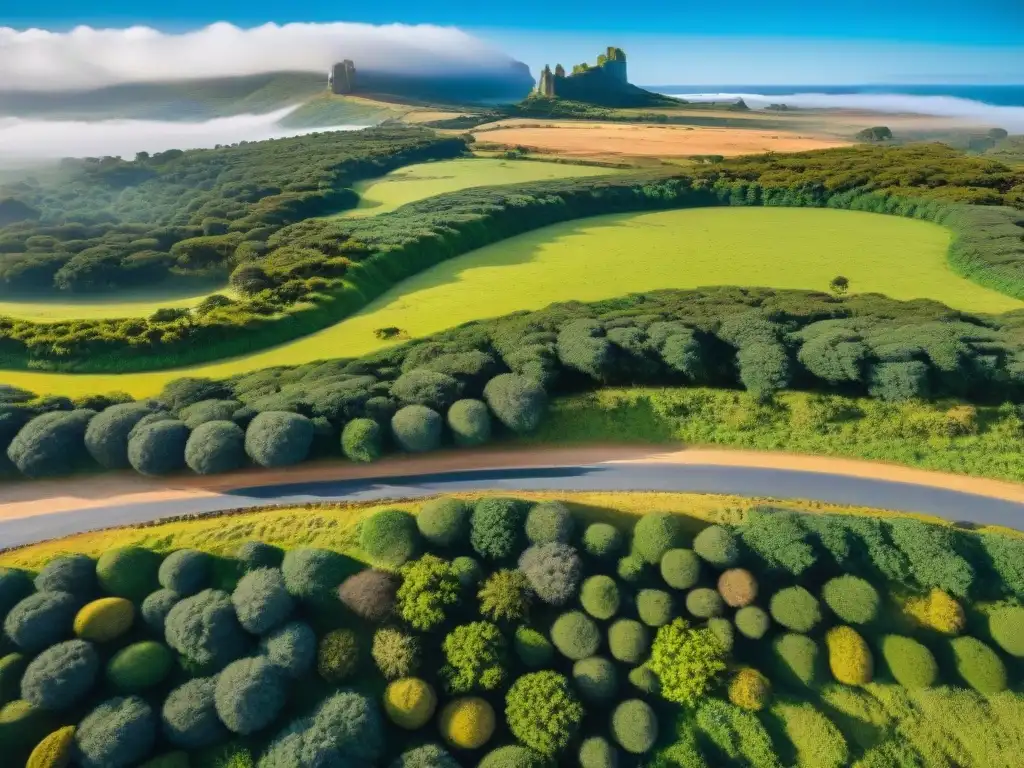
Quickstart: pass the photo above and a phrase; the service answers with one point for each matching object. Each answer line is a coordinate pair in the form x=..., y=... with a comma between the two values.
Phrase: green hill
x=605, y=84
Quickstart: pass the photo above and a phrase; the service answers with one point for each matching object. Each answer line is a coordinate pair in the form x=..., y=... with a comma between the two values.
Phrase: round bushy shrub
x=496, y=527
x=631, y=569
x=717, y=546
x=205, y=630
x=543, y=712
x=750, y=690
x=145, y=421
x=40, y=620
x=128, y=572
x=680, y=568
x=106, y=436
x=156, y=607
x=467, y=723
x=249, y=694
x=628, y=641
x=15, y=586
x=185, y=571
x=117, y=733
x=427, y=756
x=513, y=756
x=410, y=703
x=370, y=594
x=467, y=571
x=596, y=679
x=139, y=666
x=313, y=574
x=158, y=448
x=59, y=677
x=362, y=440
x=190, y=715
x=206, y=411
x=338, y=655
x=255, y=554
x=215, y=447
x=978, y=665
x=687, y=661
x=346, y=729
x=516, y=401
x=429, y=592
x=598, y=752
x=22, y=726
x=389, y=537
x=424, y=387
x=575, y=635
x=261, y=600
x=553, y=571
x=911, y=664
x=937, y=611
x=51, y=444
x=505, y=596
x=278, y=438
x=851, y=598
x=74, y=574
x=723, y=631
x=738, y=587
x=444, y=522
x=291, y=648
x=395, y=653
x=417, y=428
x=644, y=680
x=1007, y=628
x=55, y=751
x=752, y=622
x=704, y=603
x=470, y=422
x=599, y=597
x=603, y=541
x=12, y=667
x=476, y=657
x=796, y=609
x=655, y=534
x=635, y=726
x=849, y=657
x=654, y=607
x=550, y=522
x=797, y=659
x=533, y=649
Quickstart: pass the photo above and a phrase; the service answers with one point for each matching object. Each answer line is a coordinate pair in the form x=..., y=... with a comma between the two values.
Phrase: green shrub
x=533, y=649
x=249, y=695
x=470, y=423
x=261, y=600
x=74, y=574
x=598, y=752
x=723, y=631
x=737, y=735
x=1007, y=628
x=15, y=585
x=389, y=537
x=158, y=448
x=12, y=667
x=631, y=569
x=978, y=665
x=796, y=609
x=55, y=750
x=543, y=712
x=467, y=571
x=205, y=630
x=185, y=571
x=168, y=760
x=645, y=681
x=599, y=597
x=215, y=447
x=427, y=756
x=628, y=641
x=467, y=723
x=797, y=659
x=61, y=676
x=680, y=568
x=429, y=388
x=429, y=590
x=687, y=661
x=444, y=522
x=105, y=619
x=255, y=554
x=22, y=726
x=738, y=587
x=750, y=690
x=704, y=603
x=932, y=556
x=128, y=572
x=910, y=663
x=516, y=401
x=849, y=656
x=370, y=594
x=635, y=726
x=505, y=596
x=513, y=756
x=852, y=599
x=550, y=522
x=496, y=527
x=117, y=733
x=752, y=622
x=596, y=679
x=291, y=648
x=362, y=440
x=312, y=574
x=156, y=607
x=395, y=653
x=575, y=635
x=654, y=607
x=106, y=436
x=816, y=740
x=139, y=667
x=346, y=729
x=603, y=541
x=475, y=656
x=717, y=545
x=189, y=715
x=553, y=570
x=51, y=444
x=278, y=438
x=781, y=541
x=417, y=429
x=655, y=534
x=338, y=655
x=409, y=703
x=40, y=620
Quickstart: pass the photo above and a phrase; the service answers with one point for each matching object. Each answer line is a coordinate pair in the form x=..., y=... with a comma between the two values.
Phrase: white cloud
x=37, y=59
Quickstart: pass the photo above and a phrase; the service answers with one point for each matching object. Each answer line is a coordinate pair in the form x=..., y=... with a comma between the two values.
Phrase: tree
x=475, y=655
x=543, y=712
x=429, y=588
x=839, y=285
x=505, y=596
x=686, y=660
x=876, y=133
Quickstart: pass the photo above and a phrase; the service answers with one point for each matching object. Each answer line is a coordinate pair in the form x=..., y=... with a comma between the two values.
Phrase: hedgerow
x=158, y=448
x=543, y=712
x=278, y=439
x=51, y=444
x=215, y=447
x=518, y=402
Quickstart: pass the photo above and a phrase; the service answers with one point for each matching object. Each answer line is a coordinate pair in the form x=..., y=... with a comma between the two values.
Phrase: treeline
x=108, y=223
x=470, y=384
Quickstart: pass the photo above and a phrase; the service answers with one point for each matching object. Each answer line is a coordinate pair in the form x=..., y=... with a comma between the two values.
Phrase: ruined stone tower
x=342, y=78
x=546, y=85
x=614, y=64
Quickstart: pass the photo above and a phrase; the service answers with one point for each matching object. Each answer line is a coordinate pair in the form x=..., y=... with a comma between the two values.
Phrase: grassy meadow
x=129, y=303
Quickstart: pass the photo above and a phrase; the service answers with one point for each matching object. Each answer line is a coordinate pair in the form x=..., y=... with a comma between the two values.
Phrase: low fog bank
x=24, y=140
x=38, y=59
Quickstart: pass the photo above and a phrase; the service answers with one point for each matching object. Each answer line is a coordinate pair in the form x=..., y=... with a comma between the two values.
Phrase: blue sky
x=669, y=41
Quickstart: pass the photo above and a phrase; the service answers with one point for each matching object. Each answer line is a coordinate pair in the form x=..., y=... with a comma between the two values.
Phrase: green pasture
x=138, y=303
x=609, y=256
x=423, y=180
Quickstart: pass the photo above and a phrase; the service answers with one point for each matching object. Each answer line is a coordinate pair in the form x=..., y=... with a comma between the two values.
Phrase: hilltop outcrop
x=605, y=84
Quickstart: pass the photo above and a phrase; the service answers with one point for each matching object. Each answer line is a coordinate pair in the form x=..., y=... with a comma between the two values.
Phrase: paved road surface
x=649, y=476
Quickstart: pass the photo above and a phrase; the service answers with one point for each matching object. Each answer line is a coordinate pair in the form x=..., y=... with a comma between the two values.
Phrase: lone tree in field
x=839, y=285
x=876, y=133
